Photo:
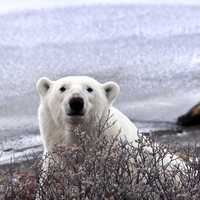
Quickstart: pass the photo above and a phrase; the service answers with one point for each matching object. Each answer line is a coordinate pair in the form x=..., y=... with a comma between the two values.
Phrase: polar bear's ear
x=43, y=85
x=112, y=90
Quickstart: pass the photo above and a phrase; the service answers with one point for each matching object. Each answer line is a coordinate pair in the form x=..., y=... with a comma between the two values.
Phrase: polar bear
x=74, y=101
x=71, y=101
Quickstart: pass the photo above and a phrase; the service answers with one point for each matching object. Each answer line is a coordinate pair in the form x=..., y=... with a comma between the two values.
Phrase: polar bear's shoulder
x=127, y=128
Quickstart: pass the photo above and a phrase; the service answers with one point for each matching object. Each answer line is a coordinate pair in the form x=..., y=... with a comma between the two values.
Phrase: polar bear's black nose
x=76, y=105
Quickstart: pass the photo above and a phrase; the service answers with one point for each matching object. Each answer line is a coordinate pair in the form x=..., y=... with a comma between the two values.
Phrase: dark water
x=153, y=52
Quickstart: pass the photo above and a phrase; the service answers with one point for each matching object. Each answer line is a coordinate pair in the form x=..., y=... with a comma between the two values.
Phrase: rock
x=191, y=118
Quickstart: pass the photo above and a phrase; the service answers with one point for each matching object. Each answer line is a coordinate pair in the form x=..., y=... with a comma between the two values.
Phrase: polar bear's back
x=127, y=128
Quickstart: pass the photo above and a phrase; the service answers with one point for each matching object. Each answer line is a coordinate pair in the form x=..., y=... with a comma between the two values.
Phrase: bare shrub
x=104, y=167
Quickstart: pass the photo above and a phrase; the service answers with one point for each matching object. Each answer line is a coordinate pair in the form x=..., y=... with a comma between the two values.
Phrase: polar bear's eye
x=62, y=89
x=89, y=89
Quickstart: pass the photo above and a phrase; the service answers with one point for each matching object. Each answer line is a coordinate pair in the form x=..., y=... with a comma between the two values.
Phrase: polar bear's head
x=75, y=99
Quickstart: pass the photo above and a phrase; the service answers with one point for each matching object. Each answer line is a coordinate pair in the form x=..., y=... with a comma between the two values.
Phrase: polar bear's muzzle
x=76, y=106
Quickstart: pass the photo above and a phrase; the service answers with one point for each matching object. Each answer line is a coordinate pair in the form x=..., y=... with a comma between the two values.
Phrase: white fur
x=56, y=127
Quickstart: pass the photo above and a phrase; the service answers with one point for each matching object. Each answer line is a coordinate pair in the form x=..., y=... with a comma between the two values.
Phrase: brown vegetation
x=101, y=167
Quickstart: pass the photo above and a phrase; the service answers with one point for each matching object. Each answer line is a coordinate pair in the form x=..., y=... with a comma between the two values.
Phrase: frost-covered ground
x=151, y=51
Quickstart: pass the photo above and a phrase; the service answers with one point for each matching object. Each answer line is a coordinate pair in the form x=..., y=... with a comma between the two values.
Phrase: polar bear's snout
x=76, y=106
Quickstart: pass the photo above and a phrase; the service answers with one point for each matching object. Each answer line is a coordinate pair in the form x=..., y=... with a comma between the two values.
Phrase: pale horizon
x=16, y=5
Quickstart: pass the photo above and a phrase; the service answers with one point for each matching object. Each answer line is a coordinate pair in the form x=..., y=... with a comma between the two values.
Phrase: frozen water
x=148, y=50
